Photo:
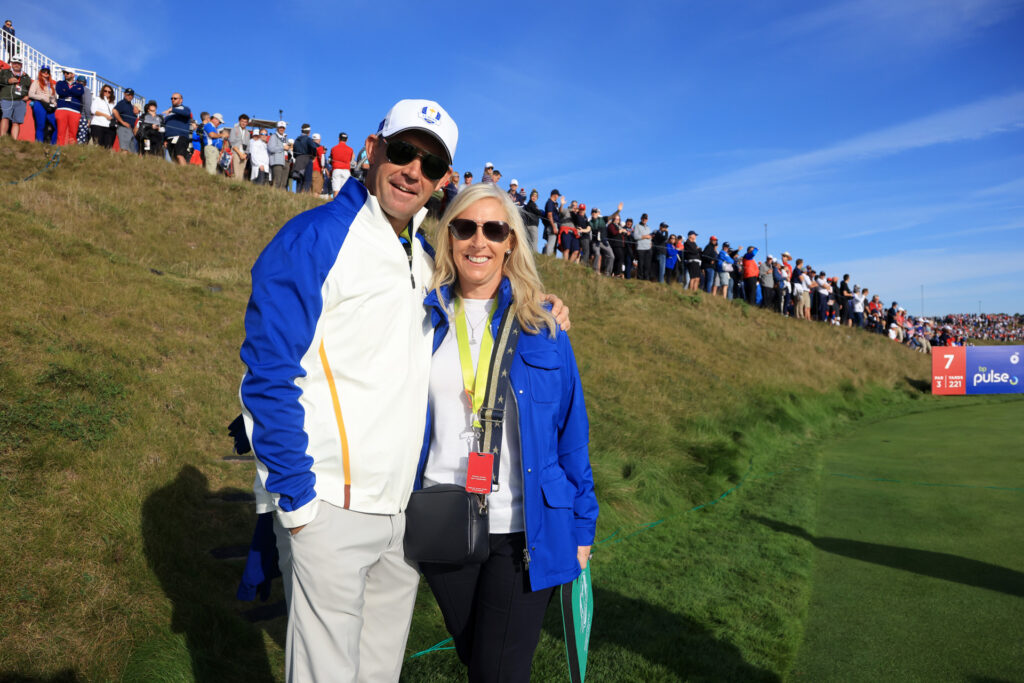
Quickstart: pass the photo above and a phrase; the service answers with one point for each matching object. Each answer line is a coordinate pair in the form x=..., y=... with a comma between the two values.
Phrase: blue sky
x=884, y=139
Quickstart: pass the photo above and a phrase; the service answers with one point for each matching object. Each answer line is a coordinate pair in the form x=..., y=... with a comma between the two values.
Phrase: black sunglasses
x=402, y=153
x=464, y=229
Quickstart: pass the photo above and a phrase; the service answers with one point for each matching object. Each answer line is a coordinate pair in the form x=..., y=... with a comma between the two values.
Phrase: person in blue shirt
x=178, y=129
x=213, y=144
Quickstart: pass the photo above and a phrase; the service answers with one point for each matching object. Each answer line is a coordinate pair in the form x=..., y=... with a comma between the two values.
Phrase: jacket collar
x=438, y=307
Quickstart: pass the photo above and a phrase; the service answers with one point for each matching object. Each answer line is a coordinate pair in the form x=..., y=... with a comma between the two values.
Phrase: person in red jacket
x=318, y=166
x=341, y=163
x=751, y=271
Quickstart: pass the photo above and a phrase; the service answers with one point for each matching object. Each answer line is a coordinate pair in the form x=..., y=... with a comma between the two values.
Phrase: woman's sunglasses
x=464, y=229
x=402, y=153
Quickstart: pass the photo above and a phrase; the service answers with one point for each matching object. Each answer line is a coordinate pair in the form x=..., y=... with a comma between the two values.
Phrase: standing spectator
x=341, y=163
x=361, y=165
x=644, y=253
x=550, y=221
x=671, y=258
x=568, y=238
x=767, y=279
x=857, y=307
x=213, y=146
x=43, y=95
x=319, y=159
x=604, y=256
x=14, y=86
x=101, y=126
x=617, y=241
x=278, y=157
x=467, y=179
x=125, y=118
x=845, y=301
x=151, y=131
x=259, y=158
x=486, y=177
x=69, y=108
x=239, y=140
x=8, y=33
x=659, y=245
x=82, y=135
x=723, y=272
x=513, y=192
x=629, y=248
x=781, y=284
x=495, y=176
x=584, y=231
x=178, y=129
x=451, y=188
x=709, y=263
x=531, y=219
x=691, y=260
x=304, y=150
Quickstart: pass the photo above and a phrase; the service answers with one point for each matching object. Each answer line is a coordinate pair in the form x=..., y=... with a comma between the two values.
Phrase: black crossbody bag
x=446, y=523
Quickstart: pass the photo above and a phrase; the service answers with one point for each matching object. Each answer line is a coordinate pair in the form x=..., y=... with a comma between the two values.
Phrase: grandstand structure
x=34, y=60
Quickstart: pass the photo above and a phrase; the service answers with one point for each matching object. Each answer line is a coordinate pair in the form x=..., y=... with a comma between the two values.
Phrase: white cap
x=770, y=257
x=488, y=165
x=291, y=141
x=282, y=124
x=513, y=182
x=316, y=136
x=16, y=58
x=219, y=117
x=425, y=115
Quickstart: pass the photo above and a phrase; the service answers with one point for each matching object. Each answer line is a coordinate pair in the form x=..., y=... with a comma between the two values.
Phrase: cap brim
x=432, y=134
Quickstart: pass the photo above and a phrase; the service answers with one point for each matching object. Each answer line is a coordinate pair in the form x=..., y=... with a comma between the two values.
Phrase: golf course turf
x=918, y=561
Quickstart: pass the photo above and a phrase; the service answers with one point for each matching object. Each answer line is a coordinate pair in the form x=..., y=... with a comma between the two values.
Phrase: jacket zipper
x=526, y=534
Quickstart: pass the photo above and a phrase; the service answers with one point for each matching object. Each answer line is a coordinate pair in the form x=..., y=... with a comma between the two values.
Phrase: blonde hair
x=518, y=267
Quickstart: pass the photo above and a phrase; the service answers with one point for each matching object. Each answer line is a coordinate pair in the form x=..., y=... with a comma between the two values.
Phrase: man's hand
x=583, y=555
x=559, y=310
x=296, y=529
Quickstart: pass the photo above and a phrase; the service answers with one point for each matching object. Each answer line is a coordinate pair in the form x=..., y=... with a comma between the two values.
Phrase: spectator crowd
x=66, y=112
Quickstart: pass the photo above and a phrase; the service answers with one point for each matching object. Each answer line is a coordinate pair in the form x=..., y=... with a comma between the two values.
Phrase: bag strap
x=492, y=412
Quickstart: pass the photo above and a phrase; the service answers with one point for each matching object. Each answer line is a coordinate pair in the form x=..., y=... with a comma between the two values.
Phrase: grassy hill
x=125, y=282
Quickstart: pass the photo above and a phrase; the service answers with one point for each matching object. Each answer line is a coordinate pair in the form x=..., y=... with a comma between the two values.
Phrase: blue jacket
x=70, y=96
x=177, y=122
x=723, y=257
x=559, y=504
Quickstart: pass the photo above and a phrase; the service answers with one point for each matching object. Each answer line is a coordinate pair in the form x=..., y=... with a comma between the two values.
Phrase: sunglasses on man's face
x=464, y=229
x=401, y=153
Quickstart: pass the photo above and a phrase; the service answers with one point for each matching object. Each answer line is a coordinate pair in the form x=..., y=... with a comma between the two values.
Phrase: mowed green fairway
x=922, y=578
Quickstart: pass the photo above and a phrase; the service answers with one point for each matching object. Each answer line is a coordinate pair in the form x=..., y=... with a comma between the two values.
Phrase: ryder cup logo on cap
x=424, y=115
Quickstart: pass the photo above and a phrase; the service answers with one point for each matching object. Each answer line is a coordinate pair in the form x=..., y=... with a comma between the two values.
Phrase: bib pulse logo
x=986, y=376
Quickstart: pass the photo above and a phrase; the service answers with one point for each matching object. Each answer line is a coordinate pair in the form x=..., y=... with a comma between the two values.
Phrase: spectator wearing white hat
x=259, y=157
x=278, y=157
x=319, y=164
x=14, y=86
x=488, y=170
x=214, y=144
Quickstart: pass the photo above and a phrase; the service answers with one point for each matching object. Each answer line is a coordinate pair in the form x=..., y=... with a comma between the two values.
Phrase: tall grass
x=125, y=282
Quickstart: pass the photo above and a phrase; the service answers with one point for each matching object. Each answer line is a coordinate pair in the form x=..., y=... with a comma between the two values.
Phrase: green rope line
x=54, y=161
x=433, y=648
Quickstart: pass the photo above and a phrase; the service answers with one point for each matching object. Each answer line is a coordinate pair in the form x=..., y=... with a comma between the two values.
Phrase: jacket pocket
x=558, y=491
x=543, y=370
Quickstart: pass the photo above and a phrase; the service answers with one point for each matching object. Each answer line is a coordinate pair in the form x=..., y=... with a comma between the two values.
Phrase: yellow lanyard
x=474, y=383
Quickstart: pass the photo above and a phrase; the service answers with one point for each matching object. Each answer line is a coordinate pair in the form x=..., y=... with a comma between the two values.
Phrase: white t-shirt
x=451, y=437
x=858, y=303
x=101, y=105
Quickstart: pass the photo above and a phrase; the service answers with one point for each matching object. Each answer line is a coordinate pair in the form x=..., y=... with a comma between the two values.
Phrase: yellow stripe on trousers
x=341, y=422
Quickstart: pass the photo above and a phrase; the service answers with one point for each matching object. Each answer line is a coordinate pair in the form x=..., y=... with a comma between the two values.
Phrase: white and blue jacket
x=337, y=347
x=559, y=504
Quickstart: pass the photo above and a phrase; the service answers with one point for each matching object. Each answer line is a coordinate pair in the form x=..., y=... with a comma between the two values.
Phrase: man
x=8, y=33
x=550, y=221
x=604, y=257
x=125, y=117
x=692, y=261
x=319, y=161
x=495, y=176
x=341, y=163
x=276, y=149
x=259, y=158
x=629, y=247
x=467, y=179
x=659, y=244
x=14, y=85
x=304, y=151
x=337, y=347
x=178, y=129
x=766, y=277
x=644, y=253
x=214, y=145
x=239, y=140
x=708, y=263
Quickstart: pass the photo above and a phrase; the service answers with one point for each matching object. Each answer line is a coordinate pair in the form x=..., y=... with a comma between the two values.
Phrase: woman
x=544, y=514
x=568, y=235
x=151, y=131
x=44, y=104
x=102, y=124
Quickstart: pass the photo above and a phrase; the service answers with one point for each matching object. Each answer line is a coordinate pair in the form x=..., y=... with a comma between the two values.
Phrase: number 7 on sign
x=949, y=359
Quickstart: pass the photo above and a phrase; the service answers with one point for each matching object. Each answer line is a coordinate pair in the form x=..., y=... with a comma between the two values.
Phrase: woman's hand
x=559, y=310
x=583, y=555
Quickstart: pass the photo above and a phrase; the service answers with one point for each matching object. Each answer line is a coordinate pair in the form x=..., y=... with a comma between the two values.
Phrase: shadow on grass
x=65, y=676
x=922, y=385
x=181, y=523
x=662, y=638
x=925, y=562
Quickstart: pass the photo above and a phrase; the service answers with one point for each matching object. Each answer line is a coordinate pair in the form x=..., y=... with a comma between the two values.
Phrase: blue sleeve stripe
x=280, y=325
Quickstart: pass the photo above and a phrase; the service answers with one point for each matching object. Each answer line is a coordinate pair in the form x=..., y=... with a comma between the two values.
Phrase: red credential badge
x=479, y=472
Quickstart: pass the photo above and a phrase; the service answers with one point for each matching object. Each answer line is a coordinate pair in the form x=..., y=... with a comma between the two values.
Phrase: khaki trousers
x=239, y=165
x=350, y=595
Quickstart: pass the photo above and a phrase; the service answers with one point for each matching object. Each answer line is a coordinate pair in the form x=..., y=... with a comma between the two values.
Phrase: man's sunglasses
x=402, y=153
x=464, y=229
